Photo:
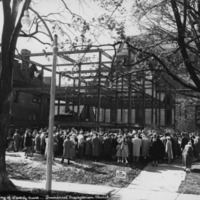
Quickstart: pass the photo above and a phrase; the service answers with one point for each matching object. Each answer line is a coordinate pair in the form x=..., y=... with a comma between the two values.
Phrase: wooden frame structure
x=103, y=88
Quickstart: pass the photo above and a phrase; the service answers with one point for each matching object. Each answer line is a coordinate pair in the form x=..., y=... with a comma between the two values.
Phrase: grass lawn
x=79, y=171
x=191, y=184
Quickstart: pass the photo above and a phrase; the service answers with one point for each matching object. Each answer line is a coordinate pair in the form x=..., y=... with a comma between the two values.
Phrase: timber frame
x=115, y=98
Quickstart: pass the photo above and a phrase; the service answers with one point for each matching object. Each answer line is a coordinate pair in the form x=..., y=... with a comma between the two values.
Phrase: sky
x=86, y=8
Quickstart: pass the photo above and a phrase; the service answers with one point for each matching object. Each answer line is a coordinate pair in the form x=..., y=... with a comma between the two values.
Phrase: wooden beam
x=86, y=63
x=66, y=52
x=85, y=71
x=68, y=58
x=107, y=55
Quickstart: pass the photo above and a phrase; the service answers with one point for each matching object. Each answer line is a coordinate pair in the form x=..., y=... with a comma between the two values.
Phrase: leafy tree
x=170, y=37
x=73, y=30
x=168, y=44
x=11, y=29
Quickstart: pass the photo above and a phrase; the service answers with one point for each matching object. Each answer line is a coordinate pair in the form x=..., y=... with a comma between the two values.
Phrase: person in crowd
x=175, y=146
x=187, y=156
x=184, y=140
x=130, y=146
x=74, y=145
x=107, y=146
x=155, y=147
x=42, y=141
x=139, y=134
x=197, y=146
x=67, y=148
x=137, y=143
x=81, y=143
x=28, y=143
x=168, y=149
x=88, y=147
x=96, y=143
x=114, y=146
x=34, y=133
x=101, y=149
x=9, y=140
x=163, y=139
x=46, y=145
x=145, y=147
x=16, y=140
x=162, y=154
x=61, y=136
x=37, y=142
x=124, y=152
x=55, y=143
x=191, y=138
x=119, y=148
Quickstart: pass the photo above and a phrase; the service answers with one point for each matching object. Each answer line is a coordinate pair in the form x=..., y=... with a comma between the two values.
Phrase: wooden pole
x=51, y=118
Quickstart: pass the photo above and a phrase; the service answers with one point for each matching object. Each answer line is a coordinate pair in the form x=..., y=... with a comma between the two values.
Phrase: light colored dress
x=187, y=155
x=137, y=143
x=125, y=152
x=145, y=147
x=67, y=147
x=168, y=149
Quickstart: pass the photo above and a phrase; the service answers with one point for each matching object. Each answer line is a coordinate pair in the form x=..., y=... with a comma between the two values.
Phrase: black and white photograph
x=100, y=99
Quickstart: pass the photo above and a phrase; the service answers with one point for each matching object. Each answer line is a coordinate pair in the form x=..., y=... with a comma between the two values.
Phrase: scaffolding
x=102, y=91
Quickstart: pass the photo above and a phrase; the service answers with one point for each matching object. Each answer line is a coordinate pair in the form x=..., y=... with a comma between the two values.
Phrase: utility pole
x=51, y=117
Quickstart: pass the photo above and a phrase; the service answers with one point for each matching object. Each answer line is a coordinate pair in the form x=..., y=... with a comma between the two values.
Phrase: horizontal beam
x=85, y=63
x=44, y=68
x=85, y=71
x=67, y=52
x=33, y=62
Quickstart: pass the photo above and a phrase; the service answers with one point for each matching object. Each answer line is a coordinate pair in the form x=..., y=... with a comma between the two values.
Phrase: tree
x=11, y=29
x=76, y=33
x=171, y=35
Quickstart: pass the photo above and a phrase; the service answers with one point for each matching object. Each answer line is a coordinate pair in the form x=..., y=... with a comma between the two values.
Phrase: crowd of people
x=130, y=147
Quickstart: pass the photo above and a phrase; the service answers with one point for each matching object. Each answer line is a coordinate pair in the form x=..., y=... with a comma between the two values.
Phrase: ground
x=88, y=172
x=79, y=171
x=191, y=184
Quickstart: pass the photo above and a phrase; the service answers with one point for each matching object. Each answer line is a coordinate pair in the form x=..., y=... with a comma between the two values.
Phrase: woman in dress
x=155, y=149
x=28, y=143
x=67, y=148
x=125, y=152
x=16, y=140
x=168, y=149
x=137, y=143
x=187, y=156
x=119, y=149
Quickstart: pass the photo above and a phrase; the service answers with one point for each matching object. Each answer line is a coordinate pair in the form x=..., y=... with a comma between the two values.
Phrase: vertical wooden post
x=73, y=95
x=152, y=103
x=99, y=90
x=51, y=118
x=59, y=98
x=79, y=93
x=143, y=101
x=159, y=108
x=116, y=100
x=129, y=94
x=122, y=100
x=156, y=110
x=174, y=101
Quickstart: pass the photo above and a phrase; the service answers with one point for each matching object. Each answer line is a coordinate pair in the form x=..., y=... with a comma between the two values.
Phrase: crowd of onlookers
x=130, y=147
